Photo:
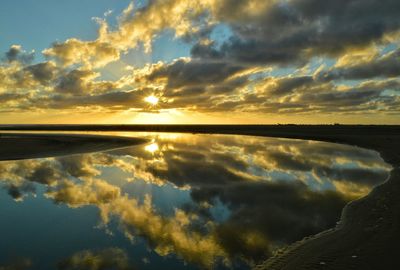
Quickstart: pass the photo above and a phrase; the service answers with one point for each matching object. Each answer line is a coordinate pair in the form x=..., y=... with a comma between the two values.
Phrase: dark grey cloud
x=43, y=72
x=229, y=86
x=385, y=66
x=75, y=82
x=117, y=100
x=288, y=85
x=4, y=97
x=306, y=94
x=17, y=54
x=188, y=73
x=190, y=83
x=293, y=31
x=361, y=95
x=207, y=51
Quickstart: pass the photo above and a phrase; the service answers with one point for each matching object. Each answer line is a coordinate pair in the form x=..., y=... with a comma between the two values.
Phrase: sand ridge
x=15, y=146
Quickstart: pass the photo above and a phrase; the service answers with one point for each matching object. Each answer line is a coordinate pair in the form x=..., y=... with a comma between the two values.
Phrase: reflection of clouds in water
x=151, y=147
x=92, y=191
x=239, y=158
x=110, y=258
x=17, y=264
x=275, y=191
x=166, y=234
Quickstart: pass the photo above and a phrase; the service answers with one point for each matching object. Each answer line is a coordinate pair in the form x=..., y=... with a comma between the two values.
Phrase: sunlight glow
x=153, y=100
x=151, y=148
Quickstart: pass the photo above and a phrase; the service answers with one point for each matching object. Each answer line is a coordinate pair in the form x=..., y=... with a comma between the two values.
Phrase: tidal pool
x=182, y=201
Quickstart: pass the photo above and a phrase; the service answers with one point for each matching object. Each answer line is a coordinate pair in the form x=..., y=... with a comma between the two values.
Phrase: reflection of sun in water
x=153, y=100
x=151, y=148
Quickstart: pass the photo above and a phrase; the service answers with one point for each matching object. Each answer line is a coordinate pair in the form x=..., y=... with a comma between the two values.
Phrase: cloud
x=286, y=32
x=285, y=85
x=241, y=72
x=17, y=54
x=135, y=27
x=76, y=82
x=4, y=98
x=90, y=54
x=17, y=78
x=385, y=66
x=118, y=100
x=272, y=95
x=44, y=72
x=185, y=72
x=365, y=96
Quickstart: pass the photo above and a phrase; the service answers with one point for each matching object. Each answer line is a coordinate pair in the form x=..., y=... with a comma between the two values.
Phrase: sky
x=200, y=61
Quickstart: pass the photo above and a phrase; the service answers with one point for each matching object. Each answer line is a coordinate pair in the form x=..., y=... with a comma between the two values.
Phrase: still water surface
x=180, y=202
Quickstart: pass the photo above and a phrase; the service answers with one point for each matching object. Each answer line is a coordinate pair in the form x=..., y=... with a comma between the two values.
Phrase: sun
x=152, y=148
x=153, y=100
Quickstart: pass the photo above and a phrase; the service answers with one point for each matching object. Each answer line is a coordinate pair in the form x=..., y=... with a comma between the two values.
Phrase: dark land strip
x=14, y=146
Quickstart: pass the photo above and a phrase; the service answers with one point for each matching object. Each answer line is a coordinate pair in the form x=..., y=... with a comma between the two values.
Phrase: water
x=180, y=202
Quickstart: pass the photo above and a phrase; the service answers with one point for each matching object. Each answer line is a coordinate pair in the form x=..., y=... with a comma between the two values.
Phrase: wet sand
x=14, y=146
x=368, y=234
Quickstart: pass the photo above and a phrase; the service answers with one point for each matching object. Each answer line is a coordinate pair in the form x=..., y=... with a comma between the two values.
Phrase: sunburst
x=153, y=100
